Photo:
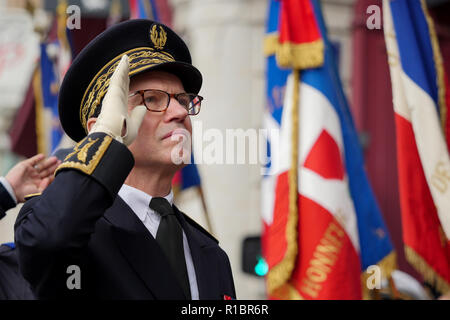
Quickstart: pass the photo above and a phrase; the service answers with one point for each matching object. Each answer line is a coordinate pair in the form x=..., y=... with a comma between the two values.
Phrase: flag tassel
x=429, y=274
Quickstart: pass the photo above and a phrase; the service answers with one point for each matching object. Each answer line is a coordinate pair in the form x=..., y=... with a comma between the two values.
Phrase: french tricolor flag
x=422, y=127
x=322, y=225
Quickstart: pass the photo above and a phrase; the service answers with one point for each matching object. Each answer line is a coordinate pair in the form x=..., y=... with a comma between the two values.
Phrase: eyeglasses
x=158, y=100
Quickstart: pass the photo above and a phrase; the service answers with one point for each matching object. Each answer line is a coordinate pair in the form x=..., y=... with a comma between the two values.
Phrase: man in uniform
x=106, y=227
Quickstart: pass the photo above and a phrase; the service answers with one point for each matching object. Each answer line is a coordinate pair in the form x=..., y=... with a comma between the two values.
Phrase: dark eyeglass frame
x=170, y=95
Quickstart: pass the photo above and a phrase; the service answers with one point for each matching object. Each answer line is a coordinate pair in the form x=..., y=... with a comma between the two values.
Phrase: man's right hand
x=114, y=119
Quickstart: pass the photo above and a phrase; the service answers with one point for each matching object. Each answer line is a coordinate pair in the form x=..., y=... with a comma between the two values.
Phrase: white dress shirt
x=139, y=202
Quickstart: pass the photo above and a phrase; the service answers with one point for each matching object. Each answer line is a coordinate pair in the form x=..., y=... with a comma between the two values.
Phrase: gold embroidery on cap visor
x=140, y=59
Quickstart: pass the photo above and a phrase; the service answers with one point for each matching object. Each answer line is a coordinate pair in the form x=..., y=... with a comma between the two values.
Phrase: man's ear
x=90, y=123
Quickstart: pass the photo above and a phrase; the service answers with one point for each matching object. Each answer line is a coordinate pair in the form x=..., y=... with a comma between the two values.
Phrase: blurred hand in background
x=32, y=175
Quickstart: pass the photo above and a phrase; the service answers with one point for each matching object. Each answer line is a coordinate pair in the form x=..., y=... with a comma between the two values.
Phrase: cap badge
x=158, y=38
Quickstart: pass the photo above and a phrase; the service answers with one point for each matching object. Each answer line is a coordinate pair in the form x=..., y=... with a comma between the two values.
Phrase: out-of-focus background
x=226, y=40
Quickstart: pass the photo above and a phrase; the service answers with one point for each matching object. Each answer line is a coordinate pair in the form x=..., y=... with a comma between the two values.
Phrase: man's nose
x=175, y=111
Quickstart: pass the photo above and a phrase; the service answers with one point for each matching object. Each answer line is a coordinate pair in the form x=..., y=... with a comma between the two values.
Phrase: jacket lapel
x=143, y=252
x=202, y=253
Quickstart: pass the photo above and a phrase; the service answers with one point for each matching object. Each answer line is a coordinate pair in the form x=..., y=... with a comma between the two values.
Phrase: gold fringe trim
x=39, y=109
x=278, y=276
x=271, y=43
x=387, y=265
x=300, y=56
x=287, y=292
x=429, y=274
x=294, y=55
x=439, y=66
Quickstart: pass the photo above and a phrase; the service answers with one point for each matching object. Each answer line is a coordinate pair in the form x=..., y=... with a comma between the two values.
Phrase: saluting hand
x=32, y=175
x=114, y=119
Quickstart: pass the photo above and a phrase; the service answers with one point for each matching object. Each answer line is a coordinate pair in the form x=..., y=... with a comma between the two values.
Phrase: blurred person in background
x=27, y=177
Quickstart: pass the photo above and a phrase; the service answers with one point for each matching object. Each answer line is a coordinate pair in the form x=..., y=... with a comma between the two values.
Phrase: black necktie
x=170, y=238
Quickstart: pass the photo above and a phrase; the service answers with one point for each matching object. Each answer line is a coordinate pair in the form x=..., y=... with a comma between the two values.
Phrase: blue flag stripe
x=410, y=23
x=49, y=83
x=273, y=17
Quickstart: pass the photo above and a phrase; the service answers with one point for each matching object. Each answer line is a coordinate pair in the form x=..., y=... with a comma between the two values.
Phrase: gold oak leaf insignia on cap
x=158, y=39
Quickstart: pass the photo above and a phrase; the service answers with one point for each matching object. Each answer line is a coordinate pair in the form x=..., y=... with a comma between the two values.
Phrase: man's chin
x=180, y=159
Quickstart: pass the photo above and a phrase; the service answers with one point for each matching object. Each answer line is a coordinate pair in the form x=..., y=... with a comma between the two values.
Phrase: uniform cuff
x=10, y=190
x=101, y=157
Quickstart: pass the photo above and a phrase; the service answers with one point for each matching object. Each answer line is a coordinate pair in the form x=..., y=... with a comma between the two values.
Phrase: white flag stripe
x=271, y=125
x=268, y=198
x=333, y=195
x=316, y=114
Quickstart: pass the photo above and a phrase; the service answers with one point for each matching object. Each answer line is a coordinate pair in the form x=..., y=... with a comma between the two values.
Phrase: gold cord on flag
x=278, y=277
x=437, y=57
x=430, y=275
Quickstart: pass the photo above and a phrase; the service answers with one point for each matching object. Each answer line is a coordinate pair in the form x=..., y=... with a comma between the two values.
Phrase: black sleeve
x=6, y=201
x=53, y=229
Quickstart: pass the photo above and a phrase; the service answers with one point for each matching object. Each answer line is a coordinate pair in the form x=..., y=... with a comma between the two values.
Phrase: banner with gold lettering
x=322, y=225
x=421, y=118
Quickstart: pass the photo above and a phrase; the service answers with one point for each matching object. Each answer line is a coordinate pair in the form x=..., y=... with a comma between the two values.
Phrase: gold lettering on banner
x=390, y=34
x=322, y=261
x=392, y=59
x=324, y=258
x=441, y=177
x=392, y=56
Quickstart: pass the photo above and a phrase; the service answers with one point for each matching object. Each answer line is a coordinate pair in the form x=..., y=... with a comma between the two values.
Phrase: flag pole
x=292, y=225
x=278, y=277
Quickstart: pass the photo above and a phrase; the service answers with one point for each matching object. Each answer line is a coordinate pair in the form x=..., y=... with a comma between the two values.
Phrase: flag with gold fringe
x=322, y=225
x=422, y=127
x=55, y=59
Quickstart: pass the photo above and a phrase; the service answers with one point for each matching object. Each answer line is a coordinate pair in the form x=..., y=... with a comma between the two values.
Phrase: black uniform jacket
x=80, y=229
x=12, y=285
x=6, y=202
